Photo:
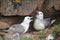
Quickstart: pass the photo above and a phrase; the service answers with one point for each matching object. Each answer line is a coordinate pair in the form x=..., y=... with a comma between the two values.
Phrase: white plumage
x=41, y=23
x=22, y=27
x=50, y=37
x=38, y=25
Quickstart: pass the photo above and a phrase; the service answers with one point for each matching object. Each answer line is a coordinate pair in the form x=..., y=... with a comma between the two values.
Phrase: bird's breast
x=26, y=27
x=38, y=25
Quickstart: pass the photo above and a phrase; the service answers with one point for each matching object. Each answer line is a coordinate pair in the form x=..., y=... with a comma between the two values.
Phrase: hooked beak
x=31, y=18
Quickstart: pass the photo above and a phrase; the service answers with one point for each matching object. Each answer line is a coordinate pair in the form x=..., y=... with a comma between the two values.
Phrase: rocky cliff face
x=28, y=7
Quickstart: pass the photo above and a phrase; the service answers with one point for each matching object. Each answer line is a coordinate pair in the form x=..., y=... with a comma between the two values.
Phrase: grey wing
x=47, y=22
x=18, y=28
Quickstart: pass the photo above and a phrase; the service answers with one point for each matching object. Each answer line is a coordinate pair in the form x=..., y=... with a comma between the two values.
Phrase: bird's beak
x=31, y=18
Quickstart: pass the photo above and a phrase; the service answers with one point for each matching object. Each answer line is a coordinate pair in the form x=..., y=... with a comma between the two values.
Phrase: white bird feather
x=41, y=23
x=50, y=37
x=20, y=28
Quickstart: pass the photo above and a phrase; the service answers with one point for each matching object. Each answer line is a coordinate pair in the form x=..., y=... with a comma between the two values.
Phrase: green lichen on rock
x=56, y=31
x=1, y=38
x=57, y=28
x=25, y=38
x=42, y=36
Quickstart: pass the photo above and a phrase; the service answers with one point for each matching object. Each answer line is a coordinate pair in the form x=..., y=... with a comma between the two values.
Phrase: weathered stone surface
x=4, y=8
x=0, y=5
x=47, y=6
x=51, y=5
x=3, y=25
x=12, y=20
x=7, y=21
x=27, y=8
x=40, y=4
x=57, y=4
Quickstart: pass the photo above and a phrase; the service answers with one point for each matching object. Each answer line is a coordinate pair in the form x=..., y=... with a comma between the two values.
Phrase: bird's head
x=40, y=15
x=50, y=37
x=28, y=19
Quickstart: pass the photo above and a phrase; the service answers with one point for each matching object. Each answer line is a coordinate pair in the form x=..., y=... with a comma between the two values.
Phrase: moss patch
x=57, y=28
x=1, y=38
x=56, y=31
x=25, y=38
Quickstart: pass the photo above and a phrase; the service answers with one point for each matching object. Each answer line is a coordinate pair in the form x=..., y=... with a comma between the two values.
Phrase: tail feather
x=53, y=21
x=4, y=30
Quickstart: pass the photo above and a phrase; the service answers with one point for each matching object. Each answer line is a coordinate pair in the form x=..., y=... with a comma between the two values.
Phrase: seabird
x=41, y=22
x=50, y=37
x=20, y=28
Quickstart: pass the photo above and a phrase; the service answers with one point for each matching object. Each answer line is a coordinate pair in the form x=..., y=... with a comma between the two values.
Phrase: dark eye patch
x=28, y=18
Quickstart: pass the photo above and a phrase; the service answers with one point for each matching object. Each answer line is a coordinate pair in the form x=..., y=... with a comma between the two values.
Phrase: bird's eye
x=28, y=18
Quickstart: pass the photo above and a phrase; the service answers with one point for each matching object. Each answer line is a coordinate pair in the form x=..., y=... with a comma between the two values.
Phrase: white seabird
x=50, y=37
x=41, y=23
x=20, y=28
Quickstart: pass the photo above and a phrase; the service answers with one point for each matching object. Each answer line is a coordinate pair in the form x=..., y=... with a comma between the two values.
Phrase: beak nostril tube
x=31, y=18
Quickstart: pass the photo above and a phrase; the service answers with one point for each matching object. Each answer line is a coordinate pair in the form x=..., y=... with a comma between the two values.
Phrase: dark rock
x=57, y=4
x=3, y=25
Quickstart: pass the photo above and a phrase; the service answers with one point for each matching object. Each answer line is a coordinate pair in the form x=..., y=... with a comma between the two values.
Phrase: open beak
x=31, y=18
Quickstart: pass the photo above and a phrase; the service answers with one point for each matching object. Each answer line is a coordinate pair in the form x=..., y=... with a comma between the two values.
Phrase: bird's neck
x=25, y=23
x=40, y=18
